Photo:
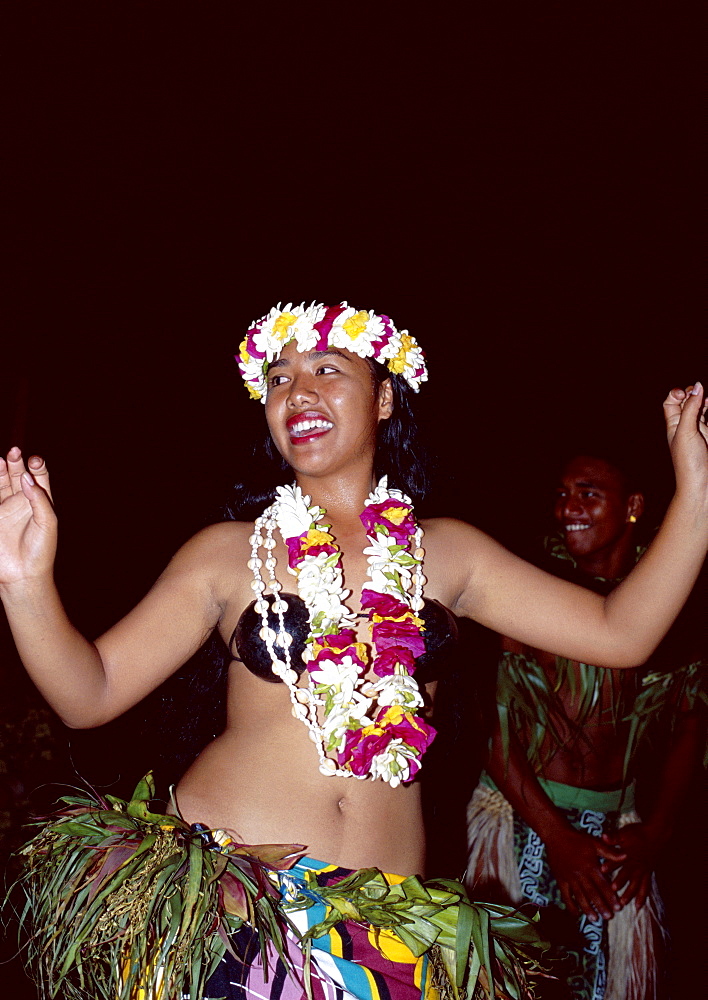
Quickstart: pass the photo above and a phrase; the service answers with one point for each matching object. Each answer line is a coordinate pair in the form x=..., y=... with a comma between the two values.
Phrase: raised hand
x=685, y=411
x=27, y=519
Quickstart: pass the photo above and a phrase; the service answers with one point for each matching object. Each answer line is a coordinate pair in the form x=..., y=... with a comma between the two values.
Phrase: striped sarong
x=350, y=961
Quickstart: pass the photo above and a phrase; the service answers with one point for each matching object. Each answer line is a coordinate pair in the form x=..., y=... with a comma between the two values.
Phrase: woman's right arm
x=90, y=683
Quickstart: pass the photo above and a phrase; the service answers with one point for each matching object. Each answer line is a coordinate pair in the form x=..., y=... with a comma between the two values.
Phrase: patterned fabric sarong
x=607, y=960
x=351, y=960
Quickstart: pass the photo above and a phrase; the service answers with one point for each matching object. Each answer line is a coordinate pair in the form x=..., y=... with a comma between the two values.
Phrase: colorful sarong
x=606, y=959
x=127, y=904
x=351, y=960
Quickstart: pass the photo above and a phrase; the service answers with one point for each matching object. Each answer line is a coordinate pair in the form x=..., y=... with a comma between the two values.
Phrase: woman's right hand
x=28, y=524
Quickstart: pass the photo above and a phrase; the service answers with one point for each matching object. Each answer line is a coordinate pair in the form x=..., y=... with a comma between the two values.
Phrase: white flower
x=356, y=331
x=393, y=764
x=382, y=493
x=341, y=694
x=344, y=718
x=293, y=513
x=399, y=689
x=337, y=676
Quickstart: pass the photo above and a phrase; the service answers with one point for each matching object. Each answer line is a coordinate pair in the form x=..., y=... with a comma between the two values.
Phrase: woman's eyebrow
x=282, y=362
x=330, y=352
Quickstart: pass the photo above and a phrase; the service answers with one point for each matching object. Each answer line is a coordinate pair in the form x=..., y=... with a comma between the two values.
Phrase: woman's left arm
x=621, y=630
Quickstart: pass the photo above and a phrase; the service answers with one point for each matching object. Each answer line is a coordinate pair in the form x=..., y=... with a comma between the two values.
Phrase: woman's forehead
x=290, y=355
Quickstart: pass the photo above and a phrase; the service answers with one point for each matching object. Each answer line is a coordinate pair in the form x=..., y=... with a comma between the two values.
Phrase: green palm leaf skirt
x=121, y=903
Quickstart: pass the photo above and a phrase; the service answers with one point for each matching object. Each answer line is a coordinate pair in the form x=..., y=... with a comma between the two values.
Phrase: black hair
x=191, y=705
x=622, y=459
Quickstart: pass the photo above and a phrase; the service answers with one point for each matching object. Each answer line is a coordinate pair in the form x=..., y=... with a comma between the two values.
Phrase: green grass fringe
x=121, y=903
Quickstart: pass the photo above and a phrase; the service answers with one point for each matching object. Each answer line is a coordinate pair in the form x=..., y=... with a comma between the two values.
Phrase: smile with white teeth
x=576, y=527
x=304, y=427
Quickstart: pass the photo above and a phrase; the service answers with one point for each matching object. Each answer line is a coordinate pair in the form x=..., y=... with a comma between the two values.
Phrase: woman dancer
x=324, y=710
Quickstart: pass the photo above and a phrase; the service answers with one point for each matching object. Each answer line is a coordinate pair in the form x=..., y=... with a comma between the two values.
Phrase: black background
x=517, y=186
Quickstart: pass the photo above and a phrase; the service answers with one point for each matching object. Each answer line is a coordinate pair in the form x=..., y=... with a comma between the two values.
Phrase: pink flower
x=360, y=746
x=383, y=604
x=339, y=640
x=325, y=325
x=359, y=751
x=336, y=646
x=394, y=515
x=335, y=656
x=386, y=660
x=297, y=548
x=386, y=634
x=411, y=729
x=251, y=343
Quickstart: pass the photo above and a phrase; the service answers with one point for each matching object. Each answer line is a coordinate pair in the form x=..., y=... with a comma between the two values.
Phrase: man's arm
x=575, y=857
x=643, y=842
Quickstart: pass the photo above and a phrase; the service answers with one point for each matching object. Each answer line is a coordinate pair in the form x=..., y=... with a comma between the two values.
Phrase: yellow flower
x=407, y=616
x=356, y=324
x=395, y=514
x=355, y=649
x=253, y=393
x=398, y=363
x=316, y=537
x=392, y=716
x=242, y=352
x=282, y=325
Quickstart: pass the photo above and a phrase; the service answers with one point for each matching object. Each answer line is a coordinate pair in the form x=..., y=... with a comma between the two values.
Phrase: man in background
x=553, y=819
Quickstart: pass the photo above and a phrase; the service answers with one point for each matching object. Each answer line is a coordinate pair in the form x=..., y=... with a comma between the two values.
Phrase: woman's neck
x=342, y=496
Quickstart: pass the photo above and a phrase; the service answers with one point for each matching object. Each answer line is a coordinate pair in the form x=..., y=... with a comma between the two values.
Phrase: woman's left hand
x=685, y=411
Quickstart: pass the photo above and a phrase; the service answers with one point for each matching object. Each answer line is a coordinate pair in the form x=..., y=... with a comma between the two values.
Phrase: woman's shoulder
x=450, y=530
x=218, y=548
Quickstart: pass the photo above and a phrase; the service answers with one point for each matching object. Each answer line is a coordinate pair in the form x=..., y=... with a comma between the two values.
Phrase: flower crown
x=317, y=327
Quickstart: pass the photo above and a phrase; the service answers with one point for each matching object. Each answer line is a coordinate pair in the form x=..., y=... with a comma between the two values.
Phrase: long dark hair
x=191, y=705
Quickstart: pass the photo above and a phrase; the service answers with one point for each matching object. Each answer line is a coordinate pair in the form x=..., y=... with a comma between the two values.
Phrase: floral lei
x=368, y=727
x=317, y=327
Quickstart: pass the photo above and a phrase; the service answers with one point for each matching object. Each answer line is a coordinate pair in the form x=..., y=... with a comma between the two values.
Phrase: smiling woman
x=321, y=759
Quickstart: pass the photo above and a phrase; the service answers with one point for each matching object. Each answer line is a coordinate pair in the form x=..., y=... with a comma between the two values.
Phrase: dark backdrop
x=517, y=188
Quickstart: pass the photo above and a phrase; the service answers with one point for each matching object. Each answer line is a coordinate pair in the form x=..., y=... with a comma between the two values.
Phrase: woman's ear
x=385, y=399
x=635, y=507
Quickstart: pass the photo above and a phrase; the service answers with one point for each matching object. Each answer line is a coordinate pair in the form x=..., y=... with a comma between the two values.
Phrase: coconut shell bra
x=440, y=634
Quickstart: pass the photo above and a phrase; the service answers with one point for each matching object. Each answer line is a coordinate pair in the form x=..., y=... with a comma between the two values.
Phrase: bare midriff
x=261, y=780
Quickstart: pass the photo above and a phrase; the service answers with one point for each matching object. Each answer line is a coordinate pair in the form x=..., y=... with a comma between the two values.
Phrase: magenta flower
x=386, y=661
x=335, y=656
x=394, y=515
x=325, y=325
x=297, y=548
x=336, y=647
x=251, y=343
x=383, y=604
x=358, y=752
x=418, y=736
x=386, y=634
x=339, y=640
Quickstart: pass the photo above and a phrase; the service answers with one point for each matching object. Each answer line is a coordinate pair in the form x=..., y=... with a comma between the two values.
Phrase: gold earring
x=632, y=519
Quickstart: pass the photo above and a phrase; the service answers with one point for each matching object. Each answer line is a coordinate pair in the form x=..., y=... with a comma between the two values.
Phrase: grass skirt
x=121, y=903
x=507, y=861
